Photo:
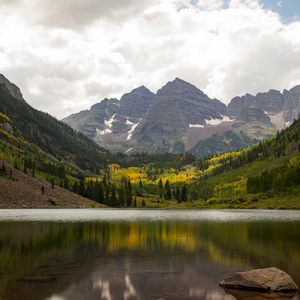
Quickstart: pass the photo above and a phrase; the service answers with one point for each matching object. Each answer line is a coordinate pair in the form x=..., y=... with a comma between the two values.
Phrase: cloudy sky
x=67, y=55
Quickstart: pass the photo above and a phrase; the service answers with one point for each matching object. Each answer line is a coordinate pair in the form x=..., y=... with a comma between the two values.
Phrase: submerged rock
x=269, y=279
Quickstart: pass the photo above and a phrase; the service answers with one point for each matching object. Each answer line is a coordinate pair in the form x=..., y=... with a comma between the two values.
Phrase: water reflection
x=248, y=295
x=139, y=260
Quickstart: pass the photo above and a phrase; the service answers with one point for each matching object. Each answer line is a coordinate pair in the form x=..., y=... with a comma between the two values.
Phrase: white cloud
x=252, y=4
x=68, y=60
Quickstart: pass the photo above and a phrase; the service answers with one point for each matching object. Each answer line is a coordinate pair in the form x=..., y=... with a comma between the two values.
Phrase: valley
x=45, y=163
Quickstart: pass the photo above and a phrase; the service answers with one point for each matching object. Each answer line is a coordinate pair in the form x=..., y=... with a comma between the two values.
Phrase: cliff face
x=12, y=88
x=178, y=106
x=273, y=103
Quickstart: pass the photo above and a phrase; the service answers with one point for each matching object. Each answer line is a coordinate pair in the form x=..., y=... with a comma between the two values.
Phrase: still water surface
x=140, y=254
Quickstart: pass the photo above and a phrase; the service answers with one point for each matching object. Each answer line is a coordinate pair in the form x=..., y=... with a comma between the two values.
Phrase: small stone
x=269, y=279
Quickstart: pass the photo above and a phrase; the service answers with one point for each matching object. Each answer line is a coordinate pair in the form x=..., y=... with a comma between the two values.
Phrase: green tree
x=128, y=194
x=168, y=193
x=184, y=196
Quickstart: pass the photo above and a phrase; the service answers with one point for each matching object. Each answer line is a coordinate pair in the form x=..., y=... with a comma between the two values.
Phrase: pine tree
x=184, y=196
x=66, y=183
x=121, y=197
x=177, y=195
x=113, y=197
x=33, y=169
x=160, y=188
x=107, y=198
x=81, y=187
x=168, y=193
x=3, y=168
x=25, y=166
x=75, y=187
x=128, y=194
x=99, y=193
x=104, y=181
x=160, y=184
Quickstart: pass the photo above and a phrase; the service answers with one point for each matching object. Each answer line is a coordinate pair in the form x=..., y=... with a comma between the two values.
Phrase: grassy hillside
x=264, y=175
x=50, y=135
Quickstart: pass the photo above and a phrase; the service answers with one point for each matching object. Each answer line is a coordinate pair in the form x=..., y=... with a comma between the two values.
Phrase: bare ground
x=21, y=190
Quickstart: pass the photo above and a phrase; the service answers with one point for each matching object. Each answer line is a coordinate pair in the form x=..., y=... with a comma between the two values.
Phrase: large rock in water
x=269, y=279
x=256, y=295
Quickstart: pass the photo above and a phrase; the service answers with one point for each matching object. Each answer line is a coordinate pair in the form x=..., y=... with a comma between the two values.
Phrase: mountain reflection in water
x=170, y=259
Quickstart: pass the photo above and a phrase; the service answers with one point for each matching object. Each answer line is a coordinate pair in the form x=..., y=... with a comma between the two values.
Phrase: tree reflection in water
x=139, y=260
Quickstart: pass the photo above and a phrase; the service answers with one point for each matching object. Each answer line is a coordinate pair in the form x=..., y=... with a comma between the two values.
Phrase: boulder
x=252, y=295
x=269, y=279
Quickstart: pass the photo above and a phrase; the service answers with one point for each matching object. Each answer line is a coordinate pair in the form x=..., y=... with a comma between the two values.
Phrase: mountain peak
x=12, y=88
x=141, y=90
x=295, y=89
x=178, y=85
x=179, y=81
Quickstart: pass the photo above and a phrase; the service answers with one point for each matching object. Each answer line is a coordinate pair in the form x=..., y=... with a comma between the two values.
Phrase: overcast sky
x=67, y=55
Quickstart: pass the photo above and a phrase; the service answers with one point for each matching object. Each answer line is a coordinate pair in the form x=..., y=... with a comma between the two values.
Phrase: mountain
x=141, y=121
x=282, y=108
x=180, y=118
x=178, y=108
x=35, y=132
x=112, y=122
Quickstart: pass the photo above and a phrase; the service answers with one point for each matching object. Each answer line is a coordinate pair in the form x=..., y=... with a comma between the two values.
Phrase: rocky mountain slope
x=180, y=117
x=21, y=190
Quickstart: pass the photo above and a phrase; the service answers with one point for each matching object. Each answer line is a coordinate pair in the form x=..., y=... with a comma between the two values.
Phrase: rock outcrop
x=12, y=88
x=253, y=114
x=269, y=279
x=273, y=103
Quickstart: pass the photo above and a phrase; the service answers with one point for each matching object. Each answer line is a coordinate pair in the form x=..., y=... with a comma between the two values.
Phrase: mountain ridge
x=179, y=117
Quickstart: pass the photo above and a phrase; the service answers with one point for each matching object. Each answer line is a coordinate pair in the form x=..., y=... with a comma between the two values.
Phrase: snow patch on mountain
x=128, y=150
x=133, y=127
x=103, y=132
x=128, y=122
x=215, y=122
x=110, y=121
x=196, y=126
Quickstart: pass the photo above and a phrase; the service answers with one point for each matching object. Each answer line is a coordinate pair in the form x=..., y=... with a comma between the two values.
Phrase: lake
x=140, y=254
